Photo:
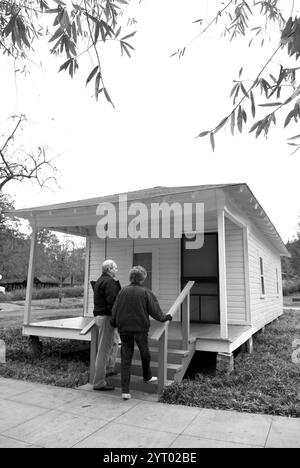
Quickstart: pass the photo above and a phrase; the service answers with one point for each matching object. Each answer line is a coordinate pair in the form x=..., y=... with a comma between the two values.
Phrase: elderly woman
x=130, y=314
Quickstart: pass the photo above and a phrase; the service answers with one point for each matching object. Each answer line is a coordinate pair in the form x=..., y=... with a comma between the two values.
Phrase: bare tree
x=18, y=163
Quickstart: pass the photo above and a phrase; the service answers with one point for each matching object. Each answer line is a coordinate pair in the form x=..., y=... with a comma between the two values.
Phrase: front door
x=201, y=265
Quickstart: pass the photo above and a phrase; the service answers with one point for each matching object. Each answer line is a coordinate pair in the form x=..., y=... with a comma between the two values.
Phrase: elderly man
x=130, y=315
x=106, y=290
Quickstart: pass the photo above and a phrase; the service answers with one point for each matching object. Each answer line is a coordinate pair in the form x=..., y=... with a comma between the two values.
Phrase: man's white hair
x=107, y=265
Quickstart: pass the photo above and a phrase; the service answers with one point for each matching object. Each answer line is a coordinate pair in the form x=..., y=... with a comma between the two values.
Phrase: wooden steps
x=136, y=368
x=177, y=363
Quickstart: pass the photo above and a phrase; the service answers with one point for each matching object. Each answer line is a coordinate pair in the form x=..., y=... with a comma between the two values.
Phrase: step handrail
x=182, y=296
x=88, y=327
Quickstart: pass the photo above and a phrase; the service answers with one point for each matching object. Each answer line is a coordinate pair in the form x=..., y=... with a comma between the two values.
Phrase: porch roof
x=239, y=192
x=140, y=195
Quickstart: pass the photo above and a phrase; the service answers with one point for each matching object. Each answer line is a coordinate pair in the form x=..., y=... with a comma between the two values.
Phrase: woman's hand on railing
x=168, y=317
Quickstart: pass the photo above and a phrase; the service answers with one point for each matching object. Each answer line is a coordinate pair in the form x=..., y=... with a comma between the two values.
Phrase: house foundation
x=35, y=346
x=225, y=363
x=249, y=345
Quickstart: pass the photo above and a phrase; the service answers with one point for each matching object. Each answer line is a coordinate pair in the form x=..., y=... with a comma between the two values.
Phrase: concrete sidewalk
x=35, y=415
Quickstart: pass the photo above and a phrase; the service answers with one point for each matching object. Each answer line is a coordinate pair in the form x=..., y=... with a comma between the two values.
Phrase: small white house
x=231, y=286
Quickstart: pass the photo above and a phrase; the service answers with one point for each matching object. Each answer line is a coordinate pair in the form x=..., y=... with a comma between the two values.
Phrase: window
x=277, y=282
x=201, y=262
x=262, y=279
x=144, y=259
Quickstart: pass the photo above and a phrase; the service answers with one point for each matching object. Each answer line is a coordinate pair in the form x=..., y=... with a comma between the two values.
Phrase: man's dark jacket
x=132, y=308
x=106, y=290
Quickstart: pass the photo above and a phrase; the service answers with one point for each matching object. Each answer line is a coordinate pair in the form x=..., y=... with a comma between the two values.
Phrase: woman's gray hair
x=137, y=275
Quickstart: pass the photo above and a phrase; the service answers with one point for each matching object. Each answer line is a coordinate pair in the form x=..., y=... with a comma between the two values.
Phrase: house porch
x=207, y=337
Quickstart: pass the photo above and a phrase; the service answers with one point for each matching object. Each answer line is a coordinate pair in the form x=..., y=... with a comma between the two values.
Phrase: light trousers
x=106, y=335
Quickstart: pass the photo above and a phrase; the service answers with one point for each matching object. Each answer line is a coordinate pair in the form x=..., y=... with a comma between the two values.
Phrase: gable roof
x=241, y=191
x=135, y=195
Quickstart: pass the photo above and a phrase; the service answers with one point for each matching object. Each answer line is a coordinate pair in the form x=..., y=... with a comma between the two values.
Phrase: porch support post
x=186, y=324
x=30, y=275
x=225, y=363
x=162, y=361
x=249, y=345
x=222, y=273
x=86, y=276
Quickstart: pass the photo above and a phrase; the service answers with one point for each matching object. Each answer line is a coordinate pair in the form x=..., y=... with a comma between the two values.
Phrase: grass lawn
x=266, y=381
x=63, y=362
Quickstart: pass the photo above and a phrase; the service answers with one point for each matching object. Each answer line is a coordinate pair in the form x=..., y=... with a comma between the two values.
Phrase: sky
x=161, y=104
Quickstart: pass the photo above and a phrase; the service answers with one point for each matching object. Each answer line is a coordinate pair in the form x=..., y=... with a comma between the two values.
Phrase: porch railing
x=161, y=333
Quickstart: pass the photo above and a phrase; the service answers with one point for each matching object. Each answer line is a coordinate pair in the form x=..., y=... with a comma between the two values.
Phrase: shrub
x=290, y=287
x=43, y=293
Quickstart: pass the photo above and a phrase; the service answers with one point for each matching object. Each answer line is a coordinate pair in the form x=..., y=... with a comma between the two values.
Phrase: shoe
x=106, y=388
x=152, y=380
x=126, y=396
x=110, y=374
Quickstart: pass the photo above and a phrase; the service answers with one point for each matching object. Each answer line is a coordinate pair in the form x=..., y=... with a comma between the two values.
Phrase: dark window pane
x=262, y=285
x=261, y=266
x=201, y=262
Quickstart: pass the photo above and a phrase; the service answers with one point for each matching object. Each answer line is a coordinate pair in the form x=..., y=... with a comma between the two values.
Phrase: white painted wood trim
x=86, y=276
x=247, y=275
x=155, y=264
x=235, y=219
x=30, y=275
x=222, y=274
x=65, y=333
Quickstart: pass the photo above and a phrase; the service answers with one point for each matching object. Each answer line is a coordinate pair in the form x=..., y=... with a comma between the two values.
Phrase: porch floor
x=207, y=336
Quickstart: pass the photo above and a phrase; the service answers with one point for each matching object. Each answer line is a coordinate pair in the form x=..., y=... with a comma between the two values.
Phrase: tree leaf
x=128, y=35
x=202, y=134
x=233, y=89
x=57, y=34
x=252, y=104
x=255, y=126
x=212, y=141
x=108, y=96
x=244, y=90
x=97, y=31
x=91, y=75
x=288, y=118
x=97, y=83
x=271, y=104
x=294, y=137
x=240, y=119
x=221, y=124
x=65, y=65
x=232, y=123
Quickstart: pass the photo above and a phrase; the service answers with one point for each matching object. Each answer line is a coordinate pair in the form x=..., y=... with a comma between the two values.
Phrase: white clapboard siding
x=235, y=273
x=266, y=308
x=168, y=268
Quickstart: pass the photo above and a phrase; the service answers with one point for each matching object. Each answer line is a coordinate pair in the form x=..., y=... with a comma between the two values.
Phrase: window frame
x=262, y=278
x=277, y=282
